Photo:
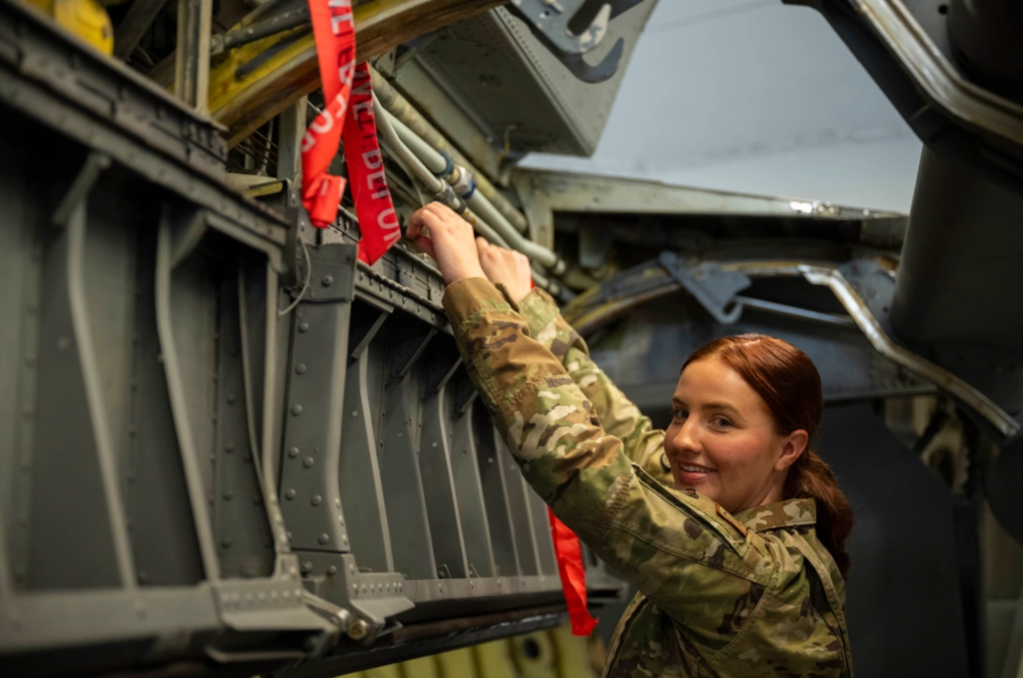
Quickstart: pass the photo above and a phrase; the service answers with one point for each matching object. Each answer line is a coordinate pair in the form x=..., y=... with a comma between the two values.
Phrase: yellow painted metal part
x=85, y=18
x=544, y=654
x=257, y=81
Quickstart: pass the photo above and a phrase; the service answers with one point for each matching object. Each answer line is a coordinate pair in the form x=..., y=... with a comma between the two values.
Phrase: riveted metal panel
x=245, y=545
x=312, y=432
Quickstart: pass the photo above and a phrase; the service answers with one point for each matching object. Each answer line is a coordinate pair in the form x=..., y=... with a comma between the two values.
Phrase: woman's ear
x=793, y=446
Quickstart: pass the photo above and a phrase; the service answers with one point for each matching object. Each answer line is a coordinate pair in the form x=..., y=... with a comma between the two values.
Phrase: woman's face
x=723, y=442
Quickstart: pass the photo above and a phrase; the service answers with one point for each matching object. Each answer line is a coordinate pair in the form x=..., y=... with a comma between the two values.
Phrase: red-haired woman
x=741, y=566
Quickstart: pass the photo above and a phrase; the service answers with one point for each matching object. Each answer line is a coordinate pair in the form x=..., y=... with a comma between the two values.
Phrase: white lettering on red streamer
x=344, y=81
x=377, y=218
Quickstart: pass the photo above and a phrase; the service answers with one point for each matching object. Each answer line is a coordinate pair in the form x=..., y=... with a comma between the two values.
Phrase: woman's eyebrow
x=721, y=406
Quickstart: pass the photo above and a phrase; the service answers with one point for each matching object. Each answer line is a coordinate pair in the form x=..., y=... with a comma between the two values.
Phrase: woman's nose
x=685, y=438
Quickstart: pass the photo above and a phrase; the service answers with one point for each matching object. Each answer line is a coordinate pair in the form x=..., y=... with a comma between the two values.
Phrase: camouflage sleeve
x=618, y=416
x=692, y=559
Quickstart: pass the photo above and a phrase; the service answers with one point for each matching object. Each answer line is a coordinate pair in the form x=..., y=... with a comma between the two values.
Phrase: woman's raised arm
x=643, y=444
x=681, y=551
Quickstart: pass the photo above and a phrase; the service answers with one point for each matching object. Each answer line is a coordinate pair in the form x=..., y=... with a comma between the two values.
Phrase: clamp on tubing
x=447, y=196
x=449, y=166
x=466, y=184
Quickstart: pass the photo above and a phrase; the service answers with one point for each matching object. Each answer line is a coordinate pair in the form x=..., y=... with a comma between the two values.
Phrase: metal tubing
x=401, y=109
x=407, y=157
x=795, y=312
x=389, y=126
x=483, y=207
x=432, y=161
x=243, y=36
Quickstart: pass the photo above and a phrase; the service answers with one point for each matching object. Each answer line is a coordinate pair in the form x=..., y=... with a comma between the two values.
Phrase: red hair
x=789, y=383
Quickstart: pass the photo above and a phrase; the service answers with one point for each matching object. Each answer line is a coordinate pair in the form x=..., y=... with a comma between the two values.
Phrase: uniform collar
x=789, y=513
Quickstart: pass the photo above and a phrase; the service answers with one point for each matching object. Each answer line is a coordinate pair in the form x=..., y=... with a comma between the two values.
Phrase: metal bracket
x=714, y=288
x=549, y=20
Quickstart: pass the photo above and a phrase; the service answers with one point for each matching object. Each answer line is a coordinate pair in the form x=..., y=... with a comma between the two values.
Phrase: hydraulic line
x=402, y=110
x=440, y=188
x=435, y=161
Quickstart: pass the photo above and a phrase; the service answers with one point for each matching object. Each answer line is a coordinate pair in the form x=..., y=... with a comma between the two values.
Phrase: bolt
x=324, y=538
x=300, y=368
x=293, y=452
x=303, y=327
x=307, y=567
x=226, y=542
x=290, y=494
x=317, y=500
x=359, y=629
x=229, y=447
x=229, y=495
x=332, y=570
x=328, y=280
x=230, y=399
x=296, y=410
x=307, y=462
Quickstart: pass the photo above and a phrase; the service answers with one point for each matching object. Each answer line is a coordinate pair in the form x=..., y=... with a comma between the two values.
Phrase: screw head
x=316, y=500
x=358, y=629
x=307, y=462
x=290, y=494
x=303, y=327
x=328, y=280
x=296, y=410
x=300, y=368
x=324, y=538
x=293, y=452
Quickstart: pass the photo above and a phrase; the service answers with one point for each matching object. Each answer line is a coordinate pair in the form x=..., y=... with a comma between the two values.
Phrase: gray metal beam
x=192, y=60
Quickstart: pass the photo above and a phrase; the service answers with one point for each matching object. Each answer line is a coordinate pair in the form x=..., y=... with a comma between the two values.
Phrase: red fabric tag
x=334, y=31
x=373, y=207
x=573, y=576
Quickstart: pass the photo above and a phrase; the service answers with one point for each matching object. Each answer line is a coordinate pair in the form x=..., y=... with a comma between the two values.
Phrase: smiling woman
x=714, y=521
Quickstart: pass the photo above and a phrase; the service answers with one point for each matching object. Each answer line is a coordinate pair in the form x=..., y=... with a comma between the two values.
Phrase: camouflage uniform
x=754, y=594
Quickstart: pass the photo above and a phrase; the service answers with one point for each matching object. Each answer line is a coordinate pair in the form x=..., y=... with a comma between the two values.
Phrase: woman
x=740, y=567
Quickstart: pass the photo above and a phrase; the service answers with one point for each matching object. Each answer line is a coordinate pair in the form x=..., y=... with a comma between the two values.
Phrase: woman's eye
x=681, y=414
x=721, y=422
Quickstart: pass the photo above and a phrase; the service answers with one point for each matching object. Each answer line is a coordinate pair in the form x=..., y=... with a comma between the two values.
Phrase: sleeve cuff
x=539, y=309
x=469, y=296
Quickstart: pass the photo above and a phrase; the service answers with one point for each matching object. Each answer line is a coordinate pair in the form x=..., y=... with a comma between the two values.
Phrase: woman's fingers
x=447, y=238
x=426, y=245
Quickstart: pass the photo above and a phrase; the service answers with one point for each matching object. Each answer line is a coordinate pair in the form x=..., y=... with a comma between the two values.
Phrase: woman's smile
x=691, y=475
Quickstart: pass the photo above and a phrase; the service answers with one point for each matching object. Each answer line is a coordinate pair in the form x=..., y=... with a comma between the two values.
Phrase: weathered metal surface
x=543, y=194
x=180, y=451
x=260, y=79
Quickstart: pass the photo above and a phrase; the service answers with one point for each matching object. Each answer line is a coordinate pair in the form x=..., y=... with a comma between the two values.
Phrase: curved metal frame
x=832, y=278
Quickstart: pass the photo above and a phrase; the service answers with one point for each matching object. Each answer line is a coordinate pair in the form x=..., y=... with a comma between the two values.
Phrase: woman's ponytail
x=810, y=477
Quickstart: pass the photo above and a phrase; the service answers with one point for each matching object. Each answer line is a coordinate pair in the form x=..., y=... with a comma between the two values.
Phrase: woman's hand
x=508, y=267
x=448, y=238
